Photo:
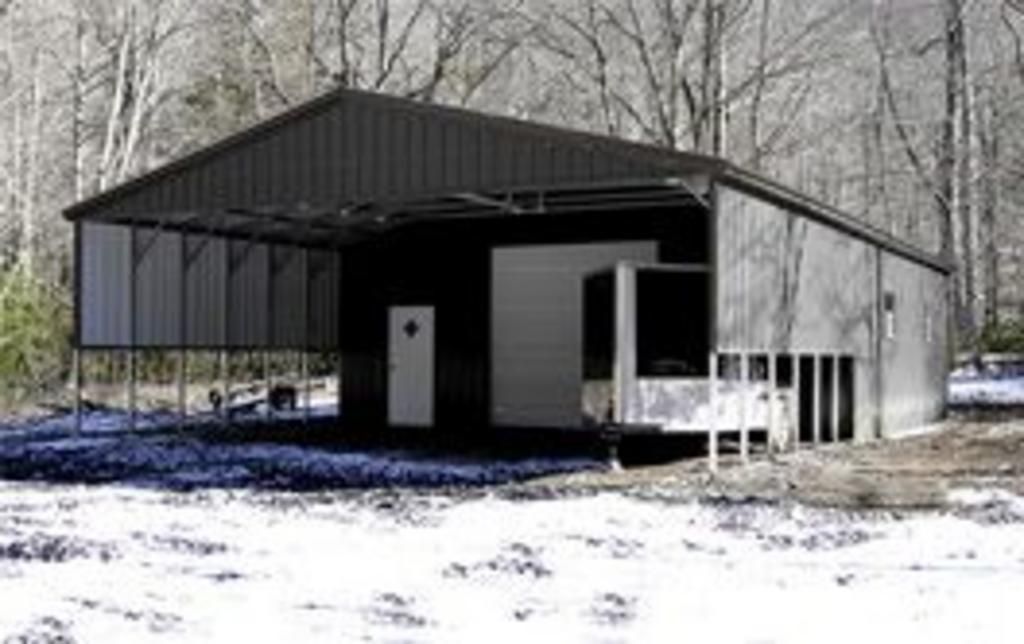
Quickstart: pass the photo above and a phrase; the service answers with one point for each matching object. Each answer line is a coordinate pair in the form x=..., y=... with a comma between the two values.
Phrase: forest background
x=908, y=114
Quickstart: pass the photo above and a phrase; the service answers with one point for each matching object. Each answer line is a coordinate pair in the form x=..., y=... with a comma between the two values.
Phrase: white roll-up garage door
x=536, y=325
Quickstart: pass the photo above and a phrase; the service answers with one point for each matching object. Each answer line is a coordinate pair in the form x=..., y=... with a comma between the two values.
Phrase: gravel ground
x=916, y=472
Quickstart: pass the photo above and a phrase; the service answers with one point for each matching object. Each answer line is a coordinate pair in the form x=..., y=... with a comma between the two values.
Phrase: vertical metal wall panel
x=323, y=160
x=366, y=153
x=914, y=360
x=384, y=170
x=244, y=175
x=259, y=172
x=384, y=149
x=789, y=284
x=543, y=162
x=303, y=158
x=349, y=144
x=105, y=270
x=469, y=155
x=417, y=160
x=216, y=180
x=505, y=159
x=158, y=277
x=522, y=172
x=488, y=166
x=247, y=294
x=537, y=327
x=204, y=288
x=602, y=166
x=308, y=135
x=325, y=303
x=786, y=284
x=449, y=157
x=399, y=154
x=288, y=288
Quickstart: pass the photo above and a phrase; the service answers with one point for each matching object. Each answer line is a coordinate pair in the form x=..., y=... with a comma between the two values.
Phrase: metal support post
x=818, y=377
x=268, y=380
x=225, y=378
x=132, y=327
x=796, y=402
x=225, y=366
x=306, y=388
x=182, y=376
x=306, y=343
x=744, y=398
x=77, y=366
x=835, y=398
x=340, y=392
x=183, y=333
x=132, y=391
x=773, y=387
x=713, y=413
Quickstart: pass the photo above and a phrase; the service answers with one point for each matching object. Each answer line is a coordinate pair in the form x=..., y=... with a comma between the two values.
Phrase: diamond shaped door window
x=411, y=329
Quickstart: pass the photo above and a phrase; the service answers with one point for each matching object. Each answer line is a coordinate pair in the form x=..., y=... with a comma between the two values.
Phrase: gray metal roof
x=352, y=162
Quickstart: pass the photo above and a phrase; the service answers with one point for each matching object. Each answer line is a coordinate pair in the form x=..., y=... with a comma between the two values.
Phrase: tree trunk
x=949, y=170
x=989, y=143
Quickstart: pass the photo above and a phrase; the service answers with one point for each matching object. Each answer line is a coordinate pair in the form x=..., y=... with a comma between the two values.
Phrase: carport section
x=226, y=282
x=218, y=275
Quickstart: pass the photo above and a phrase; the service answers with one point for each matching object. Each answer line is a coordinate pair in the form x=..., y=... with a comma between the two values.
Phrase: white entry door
x=411, y=366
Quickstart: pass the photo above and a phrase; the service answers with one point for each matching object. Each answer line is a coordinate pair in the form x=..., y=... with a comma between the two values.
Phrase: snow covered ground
x=102, y=564
x=152, y=536
x=986, y=391
x=988, y=381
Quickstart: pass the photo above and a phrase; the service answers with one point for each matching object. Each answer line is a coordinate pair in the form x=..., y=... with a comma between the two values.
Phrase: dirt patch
x=910, y=473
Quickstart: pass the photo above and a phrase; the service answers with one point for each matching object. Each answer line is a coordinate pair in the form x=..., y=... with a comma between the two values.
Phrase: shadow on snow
x=204, y=456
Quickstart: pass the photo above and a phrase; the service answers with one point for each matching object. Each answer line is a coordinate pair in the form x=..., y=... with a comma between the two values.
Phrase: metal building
x=477, y=272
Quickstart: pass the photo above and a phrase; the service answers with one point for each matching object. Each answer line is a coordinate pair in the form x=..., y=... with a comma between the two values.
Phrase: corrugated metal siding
x=359, y=148
x=289, y=299
x=247, y=295
x=834, y=306
x=325, y=305
x=787, y=284
x=206, y=279
x=914, y=361
x=830, y=284
x=105, y=298
x=158, y=278
x=255, y=322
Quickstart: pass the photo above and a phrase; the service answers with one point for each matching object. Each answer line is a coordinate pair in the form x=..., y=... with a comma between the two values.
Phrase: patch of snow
x=137, y=565
x=969, y=497
x=986, y=391
x=922, y=430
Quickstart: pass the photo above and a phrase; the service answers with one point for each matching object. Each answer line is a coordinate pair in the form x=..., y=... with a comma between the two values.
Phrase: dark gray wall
x=104, y=269
x=206, y=282
x=353, y=147
x=257, y=313
x=158, y=278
